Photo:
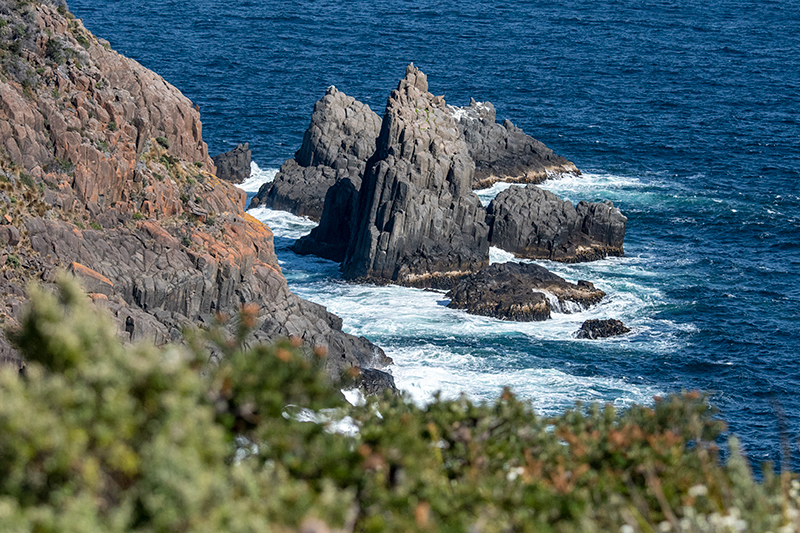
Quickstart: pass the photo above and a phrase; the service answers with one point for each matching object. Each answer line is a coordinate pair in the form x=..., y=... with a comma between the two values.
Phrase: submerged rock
x=596, y=329
x=234, y=165
x=336, y=145
x=517, y=291
x=534, y=223
x=419, y=223
x=503, y=152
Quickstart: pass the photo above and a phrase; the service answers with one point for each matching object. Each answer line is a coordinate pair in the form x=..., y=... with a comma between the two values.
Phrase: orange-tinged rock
x=91, y=280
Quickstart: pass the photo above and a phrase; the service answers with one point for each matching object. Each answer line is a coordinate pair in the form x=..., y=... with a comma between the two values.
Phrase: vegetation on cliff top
x=102, y=436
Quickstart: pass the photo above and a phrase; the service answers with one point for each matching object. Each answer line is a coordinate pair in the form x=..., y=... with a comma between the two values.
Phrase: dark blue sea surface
x=685, y=113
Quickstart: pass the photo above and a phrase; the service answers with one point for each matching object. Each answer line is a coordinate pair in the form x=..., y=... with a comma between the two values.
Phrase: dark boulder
x=534, y=223
x=234, y=165
x=336, y=145
x=516, y=291
x=503, y=152
x=373, y=382
x=597, y=329
x=419, y=223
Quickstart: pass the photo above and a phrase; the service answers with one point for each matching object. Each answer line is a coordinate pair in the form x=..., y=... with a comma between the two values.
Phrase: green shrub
x=101, y=436
x=95, y=226
x=26, y=180
x=163, y=141
x=138, y=216
x=13, y=261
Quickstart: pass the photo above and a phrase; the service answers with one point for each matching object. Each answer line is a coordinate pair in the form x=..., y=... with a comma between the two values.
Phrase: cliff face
x=419, y=223
x=104, y=172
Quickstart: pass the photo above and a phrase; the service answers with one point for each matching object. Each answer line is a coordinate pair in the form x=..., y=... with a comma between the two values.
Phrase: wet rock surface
x=502, y=151
x=517, y=291
x=104, y=173
x=598, y=329
x=533, y=223
x=234, y=165
x=336, y=145
x=419, y=223
x=374, y=382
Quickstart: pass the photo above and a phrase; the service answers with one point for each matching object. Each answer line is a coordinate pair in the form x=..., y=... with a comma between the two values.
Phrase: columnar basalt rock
x=336, y=145
x=503, y=152
x=520, y=292
x=419, y=223
x=534, y=223
x=104, y=173
x=234, y=165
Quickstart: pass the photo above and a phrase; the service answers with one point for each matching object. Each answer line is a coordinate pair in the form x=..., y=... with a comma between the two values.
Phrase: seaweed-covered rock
x=336, y=145
x=503, y=152
x=534, y=223
x=597, y=329
x=419, y=223
x=519, y=291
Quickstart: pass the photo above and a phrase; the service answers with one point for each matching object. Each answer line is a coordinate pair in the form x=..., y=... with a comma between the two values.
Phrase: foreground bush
x=101, y=436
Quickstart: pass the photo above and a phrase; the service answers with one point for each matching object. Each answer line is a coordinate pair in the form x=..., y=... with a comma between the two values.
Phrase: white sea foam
x=436, y=348
x=282, y=223
x=258, y=177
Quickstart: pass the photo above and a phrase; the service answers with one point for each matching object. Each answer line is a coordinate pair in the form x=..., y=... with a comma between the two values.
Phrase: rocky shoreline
x=104, y=173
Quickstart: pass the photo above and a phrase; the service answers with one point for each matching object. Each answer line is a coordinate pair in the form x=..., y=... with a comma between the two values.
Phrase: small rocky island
x=395, y=202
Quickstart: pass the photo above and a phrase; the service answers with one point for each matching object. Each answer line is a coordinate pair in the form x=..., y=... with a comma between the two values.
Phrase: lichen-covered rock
x=336, y=145
x=419, y=223
x=534, y=223
x=234, y=165
x=598, y=329
x=104, y=172
x=503, y=152
x=520, y=292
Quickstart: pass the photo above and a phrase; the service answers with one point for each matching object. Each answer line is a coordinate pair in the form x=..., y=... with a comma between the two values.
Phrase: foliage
x=102, y=436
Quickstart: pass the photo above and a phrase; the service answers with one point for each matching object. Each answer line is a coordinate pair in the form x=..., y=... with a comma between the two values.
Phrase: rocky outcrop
x=336, y=145
x=419, y=223
x=104, y=173
x=331, y=237
x=234, y=165
x=503, y=152
x=534, y=223
x=598, y=329
x=373, y=382
x=523, y=292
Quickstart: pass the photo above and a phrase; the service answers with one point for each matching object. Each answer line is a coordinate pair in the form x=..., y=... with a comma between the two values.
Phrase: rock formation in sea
x=534, y=223
x=234, y=165
x=598, y=329
x=336, y=145
x=503, y=152
x=418, y=221
x=520, y=292
x=104, y=173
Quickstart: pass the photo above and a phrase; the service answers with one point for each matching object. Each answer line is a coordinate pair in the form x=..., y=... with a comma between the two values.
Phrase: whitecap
x=258, y=177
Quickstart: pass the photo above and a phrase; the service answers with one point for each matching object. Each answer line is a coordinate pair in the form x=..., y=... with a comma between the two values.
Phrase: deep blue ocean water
x=685, y=113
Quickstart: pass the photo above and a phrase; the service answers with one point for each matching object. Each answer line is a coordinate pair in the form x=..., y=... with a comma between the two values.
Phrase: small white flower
x=698, y=490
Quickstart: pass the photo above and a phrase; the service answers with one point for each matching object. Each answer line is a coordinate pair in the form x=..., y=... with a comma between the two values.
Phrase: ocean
x=685, y=114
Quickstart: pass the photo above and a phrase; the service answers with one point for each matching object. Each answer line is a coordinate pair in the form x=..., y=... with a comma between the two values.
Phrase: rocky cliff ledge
x=419, y=223
x=104, y=172
x=336, y=146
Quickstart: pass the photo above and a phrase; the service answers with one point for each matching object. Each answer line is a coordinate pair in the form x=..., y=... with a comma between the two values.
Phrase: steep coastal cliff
x=104, y=172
